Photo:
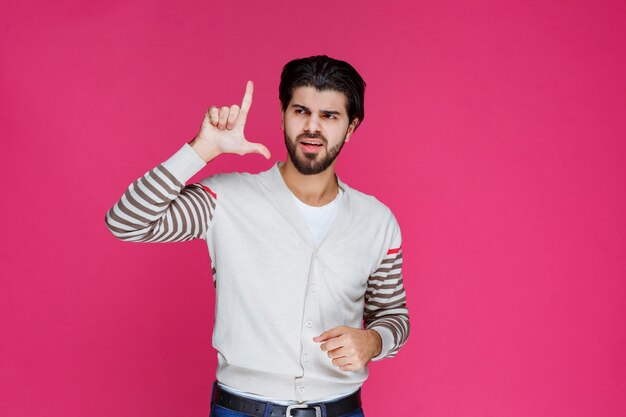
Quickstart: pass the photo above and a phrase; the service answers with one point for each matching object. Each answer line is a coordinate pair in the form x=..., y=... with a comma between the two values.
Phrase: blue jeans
x=219, y=411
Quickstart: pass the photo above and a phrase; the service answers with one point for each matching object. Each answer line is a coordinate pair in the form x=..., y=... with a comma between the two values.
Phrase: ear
x=351, y=128
x=282, y=117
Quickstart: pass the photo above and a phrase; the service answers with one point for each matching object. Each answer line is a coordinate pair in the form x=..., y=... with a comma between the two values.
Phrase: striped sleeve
x=158, y=207
x=385, y=301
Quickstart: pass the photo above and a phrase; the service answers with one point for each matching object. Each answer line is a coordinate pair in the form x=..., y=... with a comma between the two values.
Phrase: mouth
x=311, y=145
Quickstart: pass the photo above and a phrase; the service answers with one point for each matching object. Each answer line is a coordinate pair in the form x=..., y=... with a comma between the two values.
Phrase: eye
x=329, y=116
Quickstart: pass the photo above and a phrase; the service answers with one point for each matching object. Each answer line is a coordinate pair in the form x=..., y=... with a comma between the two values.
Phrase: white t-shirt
x=319, y=219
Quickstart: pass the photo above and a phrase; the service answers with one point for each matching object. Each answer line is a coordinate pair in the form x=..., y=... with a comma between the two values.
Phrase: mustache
x=311, y=136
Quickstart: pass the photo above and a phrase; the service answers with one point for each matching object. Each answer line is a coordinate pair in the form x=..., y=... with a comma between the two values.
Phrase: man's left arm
x=385, y=304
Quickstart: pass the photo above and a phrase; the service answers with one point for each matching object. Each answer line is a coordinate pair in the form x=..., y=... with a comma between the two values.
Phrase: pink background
x=495, y=130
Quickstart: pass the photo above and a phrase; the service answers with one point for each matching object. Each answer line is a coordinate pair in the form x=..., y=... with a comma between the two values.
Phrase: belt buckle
x=318, y=409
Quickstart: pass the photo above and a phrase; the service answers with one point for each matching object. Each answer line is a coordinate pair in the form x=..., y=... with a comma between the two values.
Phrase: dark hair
x=324, y=73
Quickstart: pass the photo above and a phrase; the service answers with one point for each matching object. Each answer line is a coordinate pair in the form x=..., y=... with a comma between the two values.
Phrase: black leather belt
x=256, y=408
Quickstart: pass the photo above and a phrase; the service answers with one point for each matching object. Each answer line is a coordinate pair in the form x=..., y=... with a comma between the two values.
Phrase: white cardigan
x=276, y=288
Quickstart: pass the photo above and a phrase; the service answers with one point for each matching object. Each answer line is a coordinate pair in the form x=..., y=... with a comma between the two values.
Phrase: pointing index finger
x=247, y=98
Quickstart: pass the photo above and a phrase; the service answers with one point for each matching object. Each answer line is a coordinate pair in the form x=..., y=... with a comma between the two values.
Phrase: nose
x=312, y=124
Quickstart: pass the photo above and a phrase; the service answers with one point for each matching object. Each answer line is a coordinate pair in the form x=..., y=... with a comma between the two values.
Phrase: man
x=300, y=260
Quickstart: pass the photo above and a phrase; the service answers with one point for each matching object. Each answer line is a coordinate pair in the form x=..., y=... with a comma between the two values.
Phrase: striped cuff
x=387, y=338
x=184, y=164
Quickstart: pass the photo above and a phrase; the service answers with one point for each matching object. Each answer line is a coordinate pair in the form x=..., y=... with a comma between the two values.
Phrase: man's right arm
x=158, y=207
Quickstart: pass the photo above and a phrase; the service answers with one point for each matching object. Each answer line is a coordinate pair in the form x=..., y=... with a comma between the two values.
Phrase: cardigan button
x=308, y=323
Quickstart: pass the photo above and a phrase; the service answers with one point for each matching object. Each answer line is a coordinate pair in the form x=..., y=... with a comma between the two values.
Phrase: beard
x=311, y=163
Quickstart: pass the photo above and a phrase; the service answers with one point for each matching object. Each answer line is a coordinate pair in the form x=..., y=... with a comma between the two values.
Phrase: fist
x=349, y=348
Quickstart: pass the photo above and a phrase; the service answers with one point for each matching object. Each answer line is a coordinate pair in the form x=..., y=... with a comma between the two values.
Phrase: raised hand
x=222, y=131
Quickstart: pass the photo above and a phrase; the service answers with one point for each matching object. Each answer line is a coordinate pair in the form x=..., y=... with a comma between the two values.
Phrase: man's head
x=322, y=104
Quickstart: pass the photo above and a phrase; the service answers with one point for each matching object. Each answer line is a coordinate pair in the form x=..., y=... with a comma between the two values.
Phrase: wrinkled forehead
x=317, y=100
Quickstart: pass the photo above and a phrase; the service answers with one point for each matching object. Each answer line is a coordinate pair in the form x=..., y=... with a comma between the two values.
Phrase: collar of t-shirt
x=319, y=219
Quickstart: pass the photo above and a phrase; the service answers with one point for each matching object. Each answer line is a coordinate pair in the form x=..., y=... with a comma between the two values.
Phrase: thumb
x=329, y=334
x=258, y=148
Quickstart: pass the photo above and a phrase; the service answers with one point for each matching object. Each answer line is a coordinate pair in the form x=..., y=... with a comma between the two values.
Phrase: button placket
x=309, y=324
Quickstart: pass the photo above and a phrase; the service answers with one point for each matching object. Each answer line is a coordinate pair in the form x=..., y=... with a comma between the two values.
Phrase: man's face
x=315, y=124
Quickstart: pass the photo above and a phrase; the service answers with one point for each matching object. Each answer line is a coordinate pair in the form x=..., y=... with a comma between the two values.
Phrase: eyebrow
x=321, y=111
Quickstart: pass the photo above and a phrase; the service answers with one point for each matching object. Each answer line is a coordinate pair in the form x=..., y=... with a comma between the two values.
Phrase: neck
x=314, y=190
